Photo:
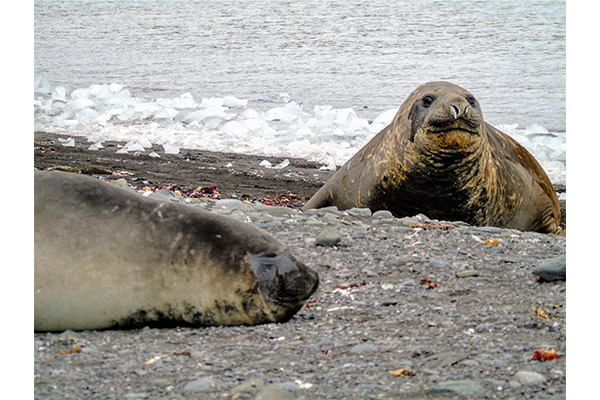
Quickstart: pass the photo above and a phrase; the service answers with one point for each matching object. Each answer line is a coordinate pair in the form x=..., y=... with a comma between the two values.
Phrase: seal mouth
x=454, y=130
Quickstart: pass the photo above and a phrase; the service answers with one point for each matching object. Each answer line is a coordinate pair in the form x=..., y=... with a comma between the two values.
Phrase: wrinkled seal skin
x=109, y=258
x=440, y=158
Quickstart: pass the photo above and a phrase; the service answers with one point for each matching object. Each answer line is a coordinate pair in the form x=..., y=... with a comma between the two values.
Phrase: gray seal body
x=109, y=258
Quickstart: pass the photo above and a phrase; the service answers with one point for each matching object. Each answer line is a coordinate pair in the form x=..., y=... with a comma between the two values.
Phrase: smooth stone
x=251, y=387
x=133, y=396
x=494, y=230
x=467, y=273
x=408, y=221
x=384, y=214
x=465, y=386
x=328, y=238
x=121, y=182
x=495, y=384
x=442, y=360
x=200, y=385
x=360, y=211
x=231, y=204
x=530, y=378
x=552, y=269
x=363, y=348
x=274, y=392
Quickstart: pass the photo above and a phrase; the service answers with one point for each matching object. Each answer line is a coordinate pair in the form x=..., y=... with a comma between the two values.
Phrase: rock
x=494, y=230
x=363, y=348
x=383, y=214
x=360, y=211
x=200, y=385
x=530, y=378
x=231, y=204
x=552, y=269
x=274, y=392
x=442, y=360
x=135, y=396
x=250, y=387
x=121, y=182
x=465, y=386
x=467, y=273
x=328, y=238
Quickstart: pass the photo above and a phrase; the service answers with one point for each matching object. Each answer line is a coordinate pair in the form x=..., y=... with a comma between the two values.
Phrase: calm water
x=510, y=54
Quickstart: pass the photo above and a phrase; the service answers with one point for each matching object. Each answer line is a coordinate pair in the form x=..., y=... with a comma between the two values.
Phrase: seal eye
x=472, y=100
x=428, y=101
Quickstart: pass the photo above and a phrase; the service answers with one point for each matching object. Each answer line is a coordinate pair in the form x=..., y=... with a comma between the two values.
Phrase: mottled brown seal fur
x=106, y=257
x=440, y=158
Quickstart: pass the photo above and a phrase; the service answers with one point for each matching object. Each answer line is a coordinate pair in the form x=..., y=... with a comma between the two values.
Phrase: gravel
x=407, y=308
x=458, y=307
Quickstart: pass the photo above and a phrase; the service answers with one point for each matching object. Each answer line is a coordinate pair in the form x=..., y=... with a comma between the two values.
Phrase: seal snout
x=457, y=112
x=284, y=279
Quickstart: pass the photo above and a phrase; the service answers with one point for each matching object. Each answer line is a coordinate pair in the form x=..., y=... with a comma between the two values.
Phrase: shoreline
x=235, y=175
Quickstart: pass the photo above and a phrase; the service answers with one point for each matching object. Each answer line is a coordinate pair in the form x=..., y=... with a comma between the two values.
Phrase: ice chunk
x=87, y=115
x=115, y=87
x=212, y=102
x=80, y=103
x=122, y=97
x=265, y=163
x=231, y=101
x=250, y=113
x=59, y=93
x=154, y=155
x=134, y=146
x=282, y=164
x=80, y=93
x=166, y=113
x=69, y=142
x=234, y=128
x=384, y=118
x=289, y=113
x=126, y=115
x=41, y=85
x=200, y=115
x=122, y=150
x=253, y=123
x=170, y=148
x=145, y=143
x=96, y=146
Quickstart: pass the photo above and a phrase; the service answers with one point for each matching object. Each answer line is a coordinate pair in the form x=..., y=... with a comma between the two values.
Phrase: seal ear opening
x=284, y=281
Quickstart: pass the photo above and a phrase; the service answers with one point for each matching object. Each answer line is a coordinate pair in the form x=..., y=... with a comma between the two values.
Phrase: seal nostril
x=455, y=111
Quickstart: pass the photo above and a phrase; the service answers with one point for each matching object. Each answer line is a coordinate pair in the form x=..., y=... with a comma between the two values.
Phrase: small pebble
x=552, y=269
x=383, y=214
x=363, y=348
x=529, y=378
x=328, y=238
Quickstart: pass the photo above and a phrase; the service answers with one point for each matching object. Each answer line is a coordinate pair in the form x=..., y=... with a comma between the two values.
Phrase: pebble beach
x=407, y=308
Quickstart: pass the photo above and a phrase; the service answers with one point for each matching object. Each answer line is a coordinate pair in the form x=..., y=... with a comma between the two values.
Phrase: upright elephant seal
x=440, y=158
x=109, y=258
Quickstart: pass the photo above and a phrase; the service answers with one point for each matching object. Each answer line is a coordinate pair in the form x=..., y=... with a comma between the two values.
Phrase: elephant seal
x=106, y=257
x=440, y=158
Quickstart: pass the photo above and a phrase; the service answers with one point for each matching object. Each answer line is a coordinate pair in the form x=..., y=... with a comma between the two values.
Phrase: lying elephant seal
x=440, y=158
x=106, y=257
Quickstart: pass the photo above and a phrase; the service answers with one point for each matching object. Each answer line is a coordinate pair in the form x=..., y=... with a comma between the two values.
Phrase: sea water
x=308, y=79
